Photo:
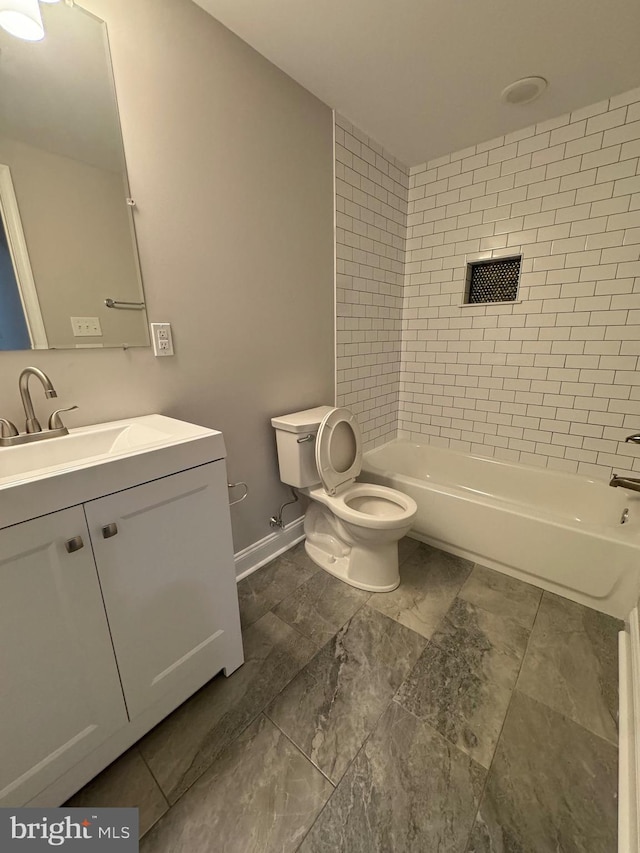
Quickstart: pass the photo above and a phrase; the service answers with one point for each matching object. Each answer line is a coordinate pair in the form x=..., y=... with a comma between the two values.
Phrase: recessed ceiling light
x=523, y=91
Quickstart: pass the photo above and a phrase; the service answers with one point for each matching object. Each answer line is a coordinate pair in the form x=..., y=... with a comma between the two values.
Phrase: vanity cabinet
x=113, y=613
x=60, y=692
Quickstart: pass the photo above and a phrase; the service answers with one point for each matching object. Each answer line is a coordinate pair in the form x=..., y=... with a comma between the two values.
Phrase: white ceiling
x=423, y=77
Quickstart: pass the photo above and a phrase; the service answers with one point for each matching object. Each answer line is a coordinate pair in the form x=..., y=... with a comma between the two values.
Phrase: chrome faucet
x=631, y=483
x=9, y=435
x=635, y=438
x=33, y=424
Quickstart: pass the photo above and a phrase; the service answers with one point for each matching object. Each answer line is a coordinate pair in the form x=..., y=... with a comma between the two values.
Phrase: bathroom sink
x=117, y=455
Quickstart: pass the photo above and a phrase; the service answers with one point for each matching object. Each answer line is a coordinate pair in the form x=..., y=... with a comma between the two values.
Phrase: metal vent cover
x=493, y=280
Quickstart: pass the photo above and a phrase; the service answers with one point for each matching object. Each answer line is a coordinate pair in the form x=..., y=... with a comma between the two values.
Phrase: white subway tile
x=601, y=157
x=630, y=149
x=568, y=166
x=615, y=171
x=530, y=176
x=595, y=193
x=520, y=164
x=554, y=201
x=629, y=97
x=623, y=220
x=578, y=180
x=548, y=155
x=627, y=185
x=591, y=110
x=568, y=133
x=621, y=134
x=504, y=152
x=535, y=143
x=612, y=118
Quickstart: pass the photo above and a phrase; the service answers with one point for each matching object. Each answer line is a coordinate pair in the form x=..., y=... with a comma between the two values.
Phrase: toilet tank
x=297, y=459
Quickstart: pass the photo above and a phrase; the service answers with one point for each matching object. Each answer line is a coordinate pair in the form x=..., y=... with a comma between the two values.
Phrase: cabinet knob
x=109, y=530
x=74, y=544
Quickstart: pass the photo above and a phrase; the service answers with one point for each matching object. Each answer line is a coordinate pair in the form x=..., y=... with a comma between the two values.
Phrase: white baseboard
x=629, y=738
x=265, y=550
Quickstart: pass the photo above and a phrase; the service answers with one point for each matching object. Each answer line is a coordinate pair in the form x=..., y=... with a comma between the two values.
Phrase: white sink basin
x=114, y=456
x=80, y=446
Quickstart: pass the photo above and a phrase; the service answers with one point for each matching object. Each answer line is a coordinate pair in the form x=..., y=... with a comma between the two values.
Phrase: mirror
x=67, y=241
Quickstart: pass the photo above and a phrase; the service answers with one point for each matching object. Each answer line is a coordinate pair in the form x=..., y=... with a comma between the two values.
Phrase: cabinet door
x=60, y=695
x=165, y=562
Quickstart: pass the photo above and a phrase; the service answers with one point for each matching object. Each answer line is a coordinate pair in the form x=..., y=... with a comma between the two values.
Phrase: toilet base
x=339, y=568
x=370, y=565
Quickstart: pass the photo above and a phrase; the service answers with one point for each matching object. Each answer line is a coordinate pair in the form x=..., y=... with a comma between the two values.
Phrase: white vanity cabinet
x=170, y=613
x=60, y=694
x=113, y=611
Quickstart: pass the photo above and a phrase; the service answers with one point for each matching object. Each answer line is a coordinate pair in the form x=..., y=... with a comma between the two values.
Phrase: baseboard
x=629, y=738
x=265, y=550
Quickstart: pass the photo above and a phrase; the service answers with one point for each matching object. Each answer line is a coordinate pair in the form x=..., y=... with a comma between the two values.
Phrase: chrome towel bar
x=127, y=306
x=233, y=486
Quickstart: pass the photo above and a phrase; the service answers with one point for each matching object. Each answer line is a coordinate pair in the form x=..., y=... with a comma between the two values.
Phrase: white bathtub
x=560, y=531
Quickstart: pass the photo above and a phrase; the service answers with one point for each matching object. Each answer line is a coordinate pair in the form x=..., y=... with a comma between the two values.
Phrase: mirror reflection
x=67, y=243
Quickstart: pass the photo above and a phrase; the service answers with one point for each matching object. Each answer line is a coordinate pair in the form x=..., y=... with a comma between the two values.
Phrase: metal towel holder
x=233, y=486
x=127, y=306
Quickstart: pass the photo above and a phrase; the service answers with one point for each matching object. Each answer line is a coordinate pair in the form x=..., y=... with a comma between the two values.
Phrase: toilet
x=352, y=529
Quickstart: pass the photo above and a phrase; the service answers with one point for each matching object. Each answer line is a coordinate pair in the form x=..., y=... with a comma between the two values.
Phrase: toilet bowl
x=352, y=529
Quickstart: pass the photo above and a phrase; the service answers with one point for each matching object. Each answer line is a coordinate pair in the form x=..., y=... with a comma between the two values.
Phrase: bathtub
x=560, y=531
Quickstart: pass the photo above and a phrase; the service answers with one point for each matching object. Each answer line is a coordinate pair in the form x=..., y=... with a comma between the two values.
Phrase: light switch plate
x=162, y=339
x=86, y=327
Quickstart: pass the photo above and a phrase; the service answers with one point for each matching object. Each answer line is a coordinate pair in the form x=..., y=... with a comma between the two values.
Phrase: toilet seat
x=338, y=450
x=392, y=508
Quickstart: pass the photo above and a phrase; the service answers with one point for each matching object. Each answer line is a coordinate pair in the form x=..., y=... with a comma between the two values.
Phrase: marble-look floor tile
x=127, y=783
x=502, y=594
x=181, y=748
x=571, y=664
x=429, y=581
x=551, y=788
x=463, y=680
x=333, y=704
x=406, y=548
x=261, y=591
x=321, y=606
x=260, y=796
x=298, y=554
x=408, y=791
x=488, y=644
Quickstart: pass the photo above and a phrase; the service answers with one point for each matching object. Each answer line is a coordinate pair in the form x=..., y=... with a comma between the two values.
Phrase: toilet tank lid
x=306, y=421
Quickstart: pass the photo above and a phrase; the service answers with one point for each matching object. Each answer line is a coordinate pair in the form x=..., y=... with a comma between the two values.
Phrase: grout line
x=498, y=741
x=300, y=750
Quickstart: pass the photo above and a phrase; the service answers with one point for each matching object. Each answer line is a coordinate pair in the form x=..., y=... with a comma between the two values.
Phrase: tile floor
x=466, y=711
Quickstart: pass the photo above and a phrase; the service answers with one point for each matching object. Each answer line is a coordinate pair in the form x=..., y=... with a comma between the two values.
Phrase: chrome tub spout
x=632, y=483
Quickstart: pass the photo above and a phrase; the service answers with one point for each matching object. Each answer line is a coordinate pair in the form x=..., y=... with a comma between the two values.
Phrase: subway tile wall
x=549, y=380
x=371, y=222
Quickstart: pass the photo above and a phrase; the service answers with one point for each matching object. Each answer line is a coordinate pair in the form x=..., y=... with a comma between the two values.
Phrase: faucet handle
x=7, y=429
x=55, y=421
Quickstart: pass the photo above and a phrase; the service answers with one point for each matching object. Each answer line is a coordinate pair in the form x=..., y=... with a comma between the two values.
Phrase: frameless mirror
x=69, y=271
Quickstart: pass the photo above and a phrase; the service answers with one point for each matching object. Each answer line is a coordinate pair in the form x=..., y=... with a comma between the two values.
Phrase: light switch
x=86, y=327
x=162, y=339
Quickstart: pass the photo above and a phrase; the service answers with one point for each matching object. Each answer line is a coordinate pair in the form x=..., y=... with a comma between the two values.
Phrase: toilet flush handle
x=309, y=437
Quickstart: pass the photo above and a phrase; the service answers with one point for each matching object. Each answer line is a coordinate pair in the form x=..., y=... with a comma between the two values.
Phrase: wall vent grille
x=493, y=280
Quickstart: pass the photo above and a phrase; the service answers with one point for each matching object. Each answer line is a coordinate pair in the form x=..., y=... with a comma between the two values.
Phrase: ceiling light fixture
x=22, y=18
x=523, y=91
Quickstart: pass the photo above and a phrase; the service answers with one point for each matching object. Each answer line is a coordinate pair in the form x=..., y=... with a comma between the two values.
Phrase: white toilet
x=352, y=529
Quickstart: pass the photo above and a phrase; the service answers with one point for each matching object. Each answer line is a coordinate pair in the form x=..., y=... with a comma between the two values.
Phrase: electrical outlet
x=162, y=339
x=86, y=327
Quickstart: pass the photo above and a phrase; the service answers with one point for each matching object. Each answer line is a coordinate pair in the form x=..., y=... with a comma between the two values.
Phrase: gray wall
x=230, y=163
